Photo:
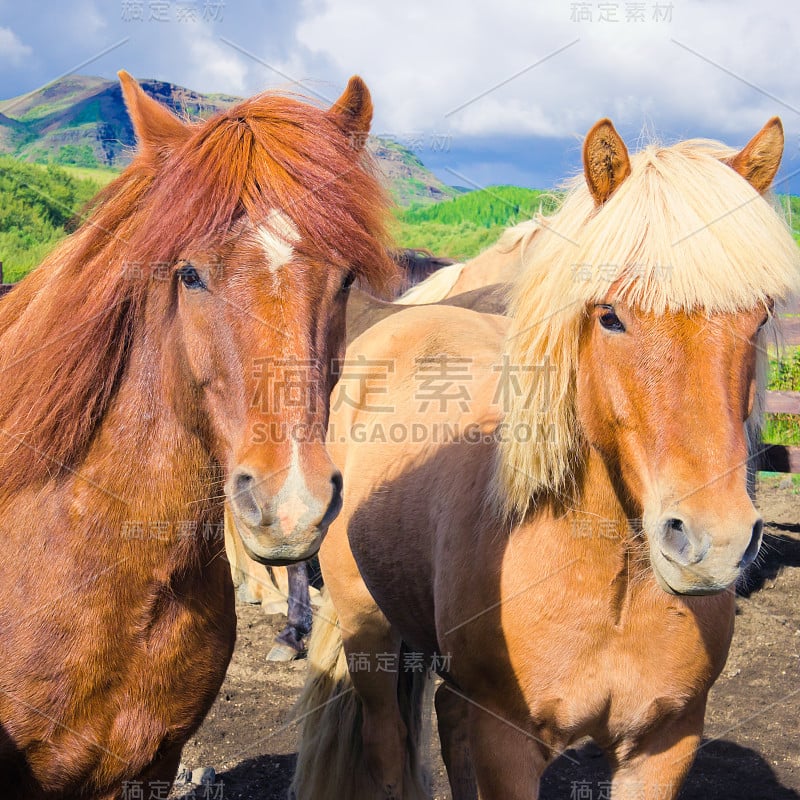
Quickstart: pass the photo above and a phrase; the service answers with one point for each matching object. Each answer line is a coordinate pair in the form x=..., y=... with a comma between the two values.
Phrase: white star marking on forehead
x=276, y=236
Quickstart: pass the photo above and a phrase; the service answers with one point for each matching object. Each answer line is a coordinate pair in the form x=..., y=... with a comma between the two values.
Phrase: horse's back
x=409, y=340
x=364, y=310
x=497, y=264
x=491, y=299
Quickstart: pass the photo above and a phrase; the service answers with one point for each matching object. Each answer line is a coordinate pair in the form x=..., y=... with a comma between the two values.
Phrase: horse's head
x=648, y=294
x=665, y=394
x=254, y=297
x=665, y=400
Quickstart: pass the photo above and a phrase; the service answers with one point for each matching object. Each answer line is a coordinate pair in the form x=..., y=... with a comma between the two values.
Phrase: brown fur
x=127, y=401
x=269, y=587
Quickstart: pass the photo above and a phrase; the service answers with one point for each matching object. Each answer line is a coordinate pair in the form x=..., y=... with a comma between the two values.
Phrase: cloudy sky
x=485, y=92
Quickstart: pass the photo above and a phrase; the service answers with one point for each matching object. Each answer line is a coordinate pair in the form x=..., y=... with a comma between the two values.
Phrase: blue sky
x=486, y=93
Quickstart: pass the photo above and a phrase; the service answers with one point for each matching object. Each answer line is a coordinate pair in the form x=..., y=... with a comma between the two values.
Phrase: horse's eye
x=348, y=281
x=190, y=278
x=610, y=321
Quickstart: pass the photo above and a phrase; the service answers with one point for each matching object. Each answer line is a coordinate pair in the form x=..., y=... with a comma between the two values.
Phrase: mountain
x=406, y=176
x=82, y=121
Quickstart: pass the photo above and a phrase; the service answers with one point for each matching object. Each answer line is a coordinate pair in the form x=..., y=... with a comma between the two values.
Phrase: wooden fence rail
x=778, y=457
x=783, y=403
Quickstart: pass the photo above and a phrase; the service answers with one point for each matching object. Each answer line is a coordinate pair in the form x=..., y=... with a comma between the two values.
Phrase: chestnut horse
x=135, y=366
x=564, y=557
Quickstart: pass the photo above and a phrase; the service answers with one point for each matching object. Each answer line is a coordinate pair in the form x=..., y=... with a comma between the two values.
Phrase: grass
x=37, y=205
x=460, y=228
x=459, y=242
x=98, y=175
x=781, y=429
x=776, y=478
x=784, y=375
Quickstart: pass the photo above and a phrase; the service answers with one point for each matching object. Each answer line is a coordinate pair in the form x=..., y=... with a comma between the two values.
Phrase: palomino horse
x=561, y=543
x=135, y=366
x=500, y=263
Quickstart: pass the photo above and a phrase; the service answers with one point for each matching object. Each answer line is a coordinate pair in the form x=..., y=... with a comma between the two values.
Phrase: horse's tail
x=330, y=762
x=434, y=288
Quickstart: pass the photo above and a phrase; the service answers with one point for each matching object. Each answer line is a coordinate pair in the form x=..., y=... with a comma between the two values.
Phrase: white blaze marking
x=293, y=500
x=276, y=237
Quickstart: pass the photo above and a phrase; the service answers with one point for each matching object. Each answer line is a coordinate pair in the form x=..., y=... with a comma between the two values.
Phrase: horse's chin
x=672, y=580
x=271, y=547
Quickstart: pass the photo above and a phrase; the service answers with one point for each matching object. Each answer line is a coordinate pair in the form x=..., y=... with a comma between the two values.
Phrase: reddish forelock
x=273, y=152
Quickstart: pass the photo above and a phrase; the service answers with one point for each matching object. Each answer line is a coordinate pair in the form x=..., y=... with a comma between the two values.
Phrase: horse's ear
x=352, y=112
x=605, y=160
x=156, y=128
x=758, y=162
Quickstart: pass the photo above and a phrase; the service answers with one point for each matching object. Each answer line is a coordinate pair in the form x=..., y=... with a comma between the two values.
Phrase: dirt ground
x=751, y=749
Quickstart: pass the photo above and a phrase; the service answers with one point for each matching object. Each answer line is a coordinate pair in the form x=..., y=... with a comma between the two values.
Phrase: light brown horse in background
x=500, y=263
x=136, y=365
x=561, y=544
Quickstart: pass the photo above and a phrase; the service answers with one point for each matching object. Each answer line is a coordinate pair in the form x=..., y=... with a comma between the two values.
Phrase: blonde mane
x=434, y=288
x=682, y=232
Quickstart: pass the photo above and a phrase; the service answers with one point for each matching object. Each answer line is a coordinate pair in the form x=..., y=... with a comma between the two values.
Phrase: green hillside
x=37, y=204
x=81, y=120
x=460, y=228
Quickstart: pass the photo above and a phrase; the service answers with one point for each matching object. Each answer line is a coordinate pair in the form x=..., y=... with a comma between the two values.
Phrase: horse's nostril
x=755, y=545
x=243, y=482
x=675, y=538
x=245, y=498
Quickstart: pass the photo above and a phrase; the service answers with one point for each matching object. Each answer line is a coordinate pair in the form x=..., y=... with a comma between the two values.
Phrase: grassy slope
x=36, y=206
x=460, y=228
x=99, y=176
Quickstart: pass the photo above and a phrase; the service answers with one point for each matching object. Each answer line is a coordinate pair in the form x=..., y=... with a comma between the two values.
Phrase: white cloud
x=12, y=50
x=211, y=65
x=423, y=59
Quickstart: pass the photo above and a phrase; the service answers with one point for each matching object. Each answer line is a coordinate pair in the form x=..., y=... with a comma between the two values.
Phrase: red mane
x=65, y=331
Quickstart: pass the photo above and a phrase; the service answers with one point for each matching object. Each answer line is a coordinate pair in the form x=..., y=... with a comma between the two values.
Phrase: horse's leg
x=155, y=781
x=372, y=648
x=508, y=762
x=290, y=642
x=383, y=732
x=657, y=767
x=452, y=714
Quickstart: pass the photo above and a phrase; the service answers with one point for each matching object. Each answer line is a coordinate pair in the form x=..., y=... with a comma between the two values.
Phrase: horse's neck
x=497, y=264
x=598, y=526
